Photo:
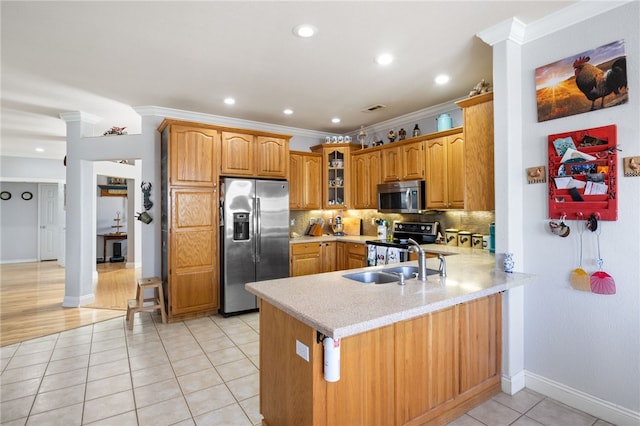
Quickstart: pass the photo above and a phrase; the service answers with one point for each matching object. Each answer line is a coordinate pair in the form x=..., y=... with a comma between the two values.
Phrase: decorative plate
x=5, y=195
x=26, y=195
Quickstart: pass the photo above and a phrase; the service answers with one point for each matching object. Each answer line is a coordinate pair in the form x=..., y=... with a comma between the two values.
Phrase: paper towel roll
x=331, y=359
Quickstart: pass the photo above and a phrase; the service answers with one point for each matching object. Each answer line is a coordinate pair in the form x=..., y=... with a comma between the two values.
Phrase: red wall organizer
x=599, y=142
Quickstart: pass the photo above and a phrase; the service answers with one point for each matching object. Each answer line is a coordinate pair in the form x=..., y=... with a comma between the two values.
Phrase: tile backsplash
x=474, y=222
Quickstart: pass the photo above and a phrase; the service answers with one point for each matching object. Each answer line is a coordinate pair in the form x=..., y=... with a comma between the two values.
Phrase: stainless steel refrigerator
x=255, y=238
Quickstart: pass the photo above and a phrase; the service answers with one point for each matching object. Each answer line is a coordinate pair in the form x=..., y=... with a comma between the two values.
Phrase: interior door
x=49, y=224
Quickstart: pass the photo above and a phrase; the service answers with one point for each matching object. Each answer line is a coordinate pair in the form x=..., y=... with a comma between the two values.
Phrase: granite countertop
x=340, y=307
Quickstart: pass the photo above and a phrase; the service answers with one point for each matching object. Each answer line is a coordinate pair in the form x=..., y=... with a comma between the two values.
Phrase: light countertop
x=339, y=307
x=329, y=237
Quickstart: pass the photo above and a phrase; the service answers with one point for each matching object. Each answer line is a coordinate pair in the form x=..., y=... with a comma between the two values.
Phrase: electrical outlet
x=302, y=350
x=292, y=222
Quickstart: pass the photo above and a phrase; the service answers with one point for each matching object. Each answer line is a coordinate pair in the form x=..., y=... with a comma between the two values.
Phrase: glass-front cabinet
x=335, y=174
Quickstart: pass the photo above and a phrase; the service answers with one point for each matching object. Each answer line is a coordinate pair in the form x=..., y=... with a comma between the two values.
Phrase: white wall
x=579, y=347
x=19, y=223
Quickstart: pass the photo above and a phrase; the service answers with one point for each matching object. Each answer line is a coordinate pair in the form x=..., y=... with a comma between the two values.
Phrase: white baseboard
x=582, y=401
x=76, y=302
x=513, y=384
x=5, y=262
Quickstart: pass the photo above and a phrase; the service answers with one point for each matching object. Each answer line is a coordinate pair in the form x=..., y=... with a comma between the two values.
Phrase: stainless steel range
x=383, y=252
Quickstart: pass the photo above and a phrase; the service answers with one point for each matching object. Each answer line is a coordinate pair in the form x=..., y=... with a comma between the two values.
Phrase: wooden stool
x=138, y=304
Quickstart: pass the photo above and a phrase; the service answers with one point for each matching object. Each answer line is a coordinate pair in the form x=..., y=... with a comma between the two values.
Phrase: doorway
x=49, y=222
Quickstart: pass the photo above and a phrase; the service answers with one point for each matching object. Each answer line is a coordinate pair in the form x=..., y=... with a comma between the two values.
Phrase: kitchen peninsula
x=422, y=353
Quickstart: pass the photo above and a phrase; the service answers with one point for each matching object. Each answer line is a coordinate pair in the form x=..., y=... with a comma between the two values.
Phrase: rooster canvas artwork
x=588, y=81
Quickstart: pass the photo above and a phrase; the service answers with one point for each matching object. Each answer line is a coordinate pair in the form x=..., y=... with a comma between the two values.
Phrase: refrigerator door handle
x=258, y=229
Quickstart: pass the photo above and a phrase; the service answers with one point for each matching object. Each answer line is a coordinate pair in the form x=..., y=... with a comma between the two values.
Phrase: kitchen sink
x=369, y=277
x=409, y=271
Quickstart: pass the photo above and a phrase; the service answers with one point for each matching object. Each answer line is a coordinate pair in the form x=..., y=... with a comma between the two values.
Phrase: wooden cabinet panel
x=480, y=341
x=367, y=380
x=305, y=259
x=244, y=154
x=391, y=164
x=237, y=154
x=477, y=116
x=328, y=254
x=445, y=172
x=427, y=363
x=413, y=161
x=192, y=252
x=366, y=174
x=272, y=155
x=190, y=163
x=192, y=156
x=341, y=255
x=305, y=175
x=356, y=256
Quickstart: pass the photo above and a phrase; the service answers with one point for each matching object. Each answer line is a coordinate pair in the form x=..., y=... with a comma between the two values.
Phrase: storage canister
x=451, y=236
x=476, y=241
x=464, y=239
x=444, y=122
x=492, y=238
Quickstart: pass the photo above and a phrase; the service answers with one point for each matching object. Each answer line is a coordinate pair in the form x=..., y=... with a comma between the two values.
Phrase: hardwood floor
x=31, y=297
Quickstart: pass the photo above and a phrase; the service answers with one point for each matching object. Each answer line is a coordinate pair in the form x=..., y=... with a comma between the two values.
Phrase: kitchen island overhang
x=339, y=307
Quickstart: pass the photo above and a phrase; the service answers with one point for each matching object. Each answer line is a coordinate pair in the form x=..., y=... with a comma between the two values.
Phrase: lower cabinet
x=423, y=371
x=312, y=258
x=326, y=256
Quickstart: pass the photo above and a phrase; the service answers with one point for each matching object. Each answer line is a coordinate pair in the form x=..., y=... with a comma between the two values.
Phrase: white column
x=509, y=180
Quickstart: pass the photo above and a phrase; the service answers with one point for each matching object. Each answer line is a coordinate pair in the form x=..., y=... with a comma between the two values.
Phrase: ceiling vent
x=374, y=108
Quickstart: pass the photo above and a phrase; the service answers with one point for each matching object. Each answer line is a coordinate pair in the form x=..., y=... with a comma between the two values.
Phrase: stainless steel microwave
x=401, y=197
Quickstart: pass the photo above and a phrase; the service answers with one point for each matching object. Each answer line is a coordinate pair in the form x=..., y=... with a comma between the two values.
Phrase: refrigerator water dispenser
x=240, y=226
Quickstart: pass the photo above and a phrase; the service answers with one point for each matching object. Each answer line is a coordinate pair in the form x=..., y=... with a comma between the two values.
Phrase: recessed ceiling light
x=287, y=111
x=442, y=79
x=305, y=30
x=384, y=59
x=229, y=101
x=335, y=120
x=39, y=149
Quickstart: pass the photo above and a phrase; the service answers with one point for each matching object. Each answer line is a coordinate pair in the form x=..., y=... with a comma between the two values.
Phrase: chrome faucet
x=422, y=260
x=443, y=265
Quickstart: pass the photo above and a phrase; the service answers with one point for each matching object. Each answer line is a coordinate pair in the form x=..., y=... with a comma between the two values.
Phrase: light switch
x=302, y=350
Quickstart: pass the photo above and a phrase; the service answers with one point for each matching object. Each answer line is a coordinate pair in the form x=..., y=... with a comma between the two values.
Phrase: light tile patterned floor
x=202, y=371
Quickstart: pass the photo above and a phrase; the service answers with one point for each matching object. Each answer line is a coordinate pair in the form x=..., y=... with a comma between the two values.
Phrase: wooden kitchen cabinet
x=190, y=156
x=313, y=258
x=356, y=255
x=477, y=115
x=403, y=161
x=435, y=368
x=254, y=155
x=336, y=174
x=445, y=171
x=366, y=175
x=306, y=259
x=305, y=178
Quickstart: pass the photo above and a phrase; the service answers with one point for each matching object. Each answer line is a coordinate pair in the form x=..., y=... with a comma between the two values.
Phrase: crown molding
x=518, y=32
x=84, y=117
x=220, y=120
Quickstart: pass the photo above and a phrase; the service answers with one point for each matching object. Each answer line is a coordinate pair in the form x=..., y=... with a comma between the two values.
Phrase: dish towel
x=393, y=255
x=381, y=255
x=371, y=255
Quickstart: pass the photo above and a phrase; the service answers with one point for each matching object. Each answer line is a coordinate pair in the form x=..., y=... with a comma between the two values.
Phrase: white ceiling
x=103, y=58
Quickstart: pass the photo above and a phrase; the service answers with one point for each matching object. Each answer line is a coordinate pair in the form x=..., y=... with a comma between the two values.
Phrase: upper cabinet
x=445, y=171
x=336, y=174
x=254, y=155
x=191, y=155
x=478, y=152
x=403, y=161
x=366, y=175
x=305, y=181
